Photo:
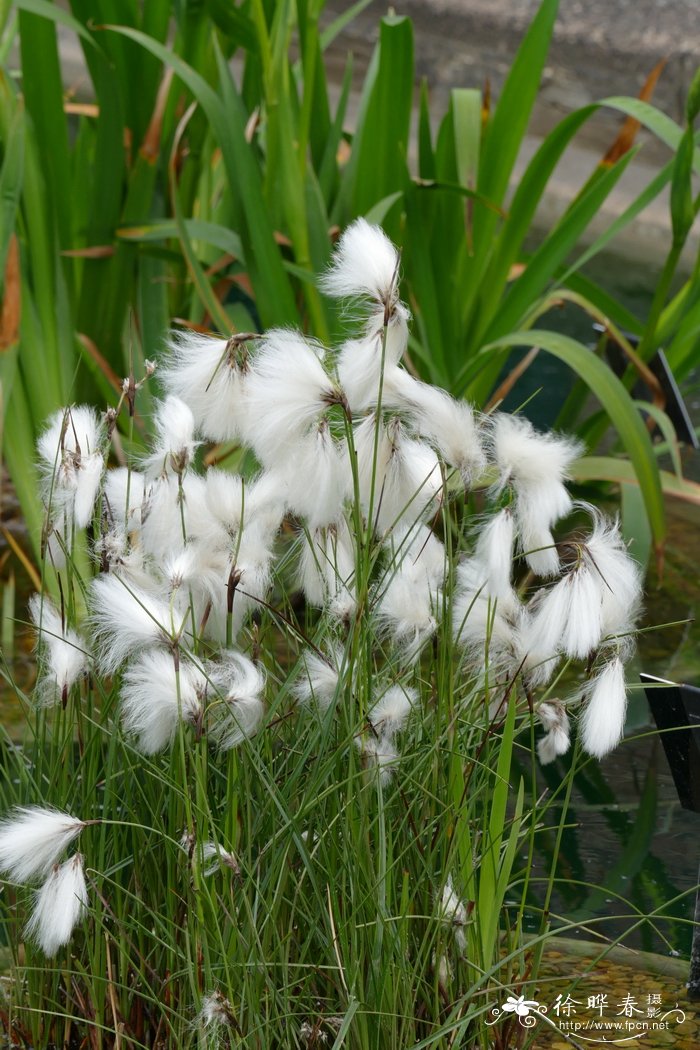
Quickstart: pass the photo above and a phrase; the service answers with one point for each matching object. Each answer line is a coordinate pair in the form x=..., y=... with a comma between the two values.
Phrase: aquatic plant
x=282, y=701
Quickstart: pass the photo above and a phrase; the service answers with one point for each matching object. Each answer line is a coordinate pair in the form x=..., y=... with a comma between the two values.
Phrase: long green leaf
x=621, y=471
x=381, y=142
x=510, y=121
x=273, y=292
x=56, y=14
x=555, y=248
x=198, y=230
x=11, y=177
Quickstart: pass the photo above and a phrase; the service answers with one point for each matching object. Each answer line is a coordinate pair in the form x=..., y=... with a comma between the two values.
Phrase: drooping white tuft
x=365, y=263
x=124, y=493
x=155, y=696
x=209, y=375
x=71, y=463
x=216, y=1012
x=60, y=904
x=556, y=740
x=238, y=709
x=454, y=913
x=529, y=458
x=175, y=443
x=32, y=838
x=603, y=720
x=320, y=678
x=314, y=477
x=448, y=425
x=359, y=366
x=174, y=512
x=379, y=754
x=389, y=714
x=409, y=596
x=327, y=569
x=127, y=619
x=494, y=550
x=287, y=389
x=536, y=465
x=213, y=856
x=406, y=481
x=486, y=626
x=209, y=855
x=619, y=575
x=63, y=651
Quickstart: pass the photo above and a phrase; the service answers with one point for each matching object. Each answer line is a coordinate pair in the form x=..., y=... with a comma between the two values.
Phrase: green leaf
x=49, y=10
x=466, y=116
x=682, y=209
x=553, y=251
x=344, y=19
x=667, y=429
x=426, y=156
x=379, y=211
x=523, y=206
x=617, y=403
x=11, y=176
x=621, y=471
x=510, y=121
x=381, y=141
x=225, y=113
x=164, y=229
x=635, y=523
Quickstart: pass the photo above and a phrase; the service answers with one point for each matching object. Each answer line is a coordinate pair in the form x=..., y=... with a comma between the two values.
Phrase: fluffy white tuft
x=528, y=457
x=32, y=838
x=448, y=425
x=619, y=575
x=216, y=1012
x=406, y=481
x=487, y=627
x=556, y=740
x=389, y=714
x=407, y=608
x=174, y=444
x=123, y=497
x=494, y=550
x=174, y=511
x=60, y=904
x=453, y=912
x=65, y=658
x=314, y=477
x=239, y=709
x=536, y=465
x=126, y=619
x=208, y=374
x=379, y=754
x=320, y=678
x=603, y=720
x=327, y=569
x=155, y=697
x=287, y=389
x=71, y=463
x=365, y=263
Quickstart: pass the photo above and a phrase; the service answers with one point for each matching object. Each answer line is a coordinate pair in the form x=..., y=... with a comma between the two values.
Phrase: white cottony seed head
x=365, y=264
x=60, y=904
x=32, y=838
x=603, y=720
x=64, y=654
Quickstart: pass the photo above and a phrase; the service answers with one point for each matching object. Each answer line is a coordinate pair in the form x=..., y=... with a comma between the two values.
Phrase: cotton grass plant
x=278, y=716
